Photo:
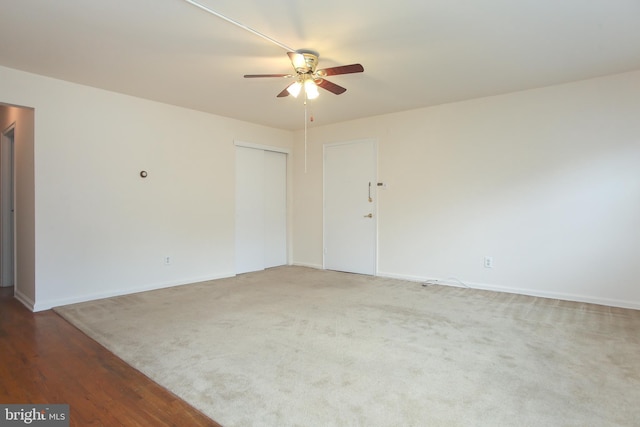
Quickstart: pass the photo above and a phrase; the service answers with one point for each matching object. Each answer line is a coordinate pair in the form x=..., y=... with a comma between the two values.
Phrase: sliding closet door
x=249, y=207
x=261, y=209
x=275, y=209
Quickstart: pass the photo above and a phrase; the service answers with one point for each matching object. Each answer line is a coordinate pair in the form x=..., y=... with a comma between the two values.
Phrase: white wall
x=545, y=181
x=24, y=277
x=100, y=229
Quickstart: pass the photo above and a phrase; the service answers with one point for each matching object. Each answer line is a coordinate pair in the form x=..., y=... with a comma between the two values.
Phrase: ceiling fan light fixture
x=294, y=89
x=308, y=78
x=311, y=89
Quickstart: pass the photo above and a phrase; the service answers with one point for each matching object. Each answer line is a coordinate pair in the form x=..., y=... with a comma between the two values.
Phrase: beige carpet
x=295, y=346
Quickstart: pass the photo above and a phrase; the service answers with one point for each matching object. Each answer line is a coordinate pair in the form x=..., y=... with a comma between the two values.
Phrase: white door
x=275, y=209
x=249, y=208
x=261, y=206
x=350, y=207
x=7, y=220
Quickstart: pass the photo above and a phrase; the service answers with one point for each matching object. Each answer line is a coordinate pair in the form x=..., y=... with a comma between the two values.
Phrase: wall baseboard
x=634, y=305
x=304, y=264
x=46, y=305
x=25, y=300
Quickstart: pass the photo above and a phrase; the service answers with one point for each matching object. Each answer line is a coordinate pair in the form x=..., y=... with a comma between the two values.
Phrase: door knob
x=369, y=216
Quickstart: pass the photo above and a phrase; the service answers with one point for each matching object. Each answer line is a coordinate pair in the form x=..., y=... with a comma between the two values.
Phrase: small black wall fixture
x=143, y=174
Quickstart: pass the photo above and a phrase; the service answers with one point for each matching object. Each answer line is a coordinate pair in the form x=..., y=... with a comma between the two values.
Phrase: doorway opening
x=7, y=207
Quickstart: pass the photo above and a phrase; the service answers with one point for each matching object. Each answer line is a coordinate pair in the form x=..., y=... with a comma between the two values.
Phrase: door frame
x=374, y=143
x=7, y=207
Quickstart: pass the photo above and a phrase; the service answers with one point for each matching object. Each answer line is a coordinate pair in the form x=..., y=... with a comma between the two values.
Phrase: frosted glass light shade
x=294, y=89
x=311, y=89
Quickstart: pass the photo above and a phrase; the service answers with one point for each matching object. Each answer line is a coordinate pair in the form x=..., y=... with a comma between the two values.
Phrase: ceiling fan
x=309, y=78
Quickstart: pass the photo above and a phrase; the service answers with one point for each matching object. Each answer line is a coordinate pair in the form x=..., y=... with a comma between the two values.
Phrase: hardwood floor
x=46, y=360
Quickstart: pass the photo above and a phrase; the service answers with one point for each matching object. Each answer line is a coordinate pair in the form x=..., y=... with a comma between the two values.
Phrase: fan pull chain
x=305, y=132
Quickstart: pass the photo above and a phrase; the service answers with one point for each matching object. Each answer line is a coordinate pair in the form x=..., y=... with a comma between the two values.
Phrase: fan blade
x=253, y=76
x=343, y=69
x=331, y=87
x=285, y=92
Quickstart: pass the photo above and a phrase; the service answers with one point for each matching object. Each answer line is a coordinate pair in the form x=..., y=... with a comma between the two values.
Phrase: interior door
x=261, y=209
x=350, y=221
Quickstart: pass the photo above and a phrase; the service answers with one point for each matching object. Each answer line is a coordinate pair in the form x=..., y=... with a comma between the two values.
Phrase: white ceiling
x=415, y=53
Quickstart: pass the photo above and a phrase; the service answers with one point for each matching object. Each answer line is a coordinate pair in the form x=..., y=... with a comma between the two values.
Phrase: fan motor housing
x=310, y=59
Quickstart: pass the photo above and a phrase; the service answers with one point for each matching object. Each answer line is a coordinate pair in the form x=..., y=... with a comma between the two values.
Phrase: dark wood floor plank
x=44, y=359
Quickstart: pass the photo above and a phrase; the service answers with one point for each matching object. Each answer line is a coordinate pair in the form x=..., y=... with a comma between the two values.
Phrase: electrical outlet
x=488, y=262
x=167, y=260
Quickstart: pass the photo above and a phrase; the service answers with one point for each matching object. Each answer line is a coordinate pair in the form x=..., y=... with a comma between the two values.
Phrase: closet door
x=249, y=210
x=275, y=209
x=261, y=206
